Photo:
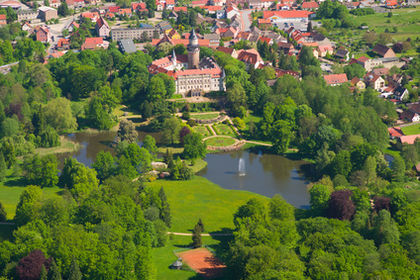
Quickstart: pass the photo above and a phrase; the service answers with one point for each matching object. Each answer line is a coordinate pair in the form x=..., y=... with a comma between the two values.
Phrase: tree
x=104, y=165
x=3, y=167
x=127, y=131
x=26, y=208
x=320, y=195
x=58, y=114
x=194, y=147
x=398, y=168
x=30, y=267
x=97, y=116
x=341, y=164
x=385, y=229
x=44, y=274
x=74, y=273
x=41, y=171
x=149, y=143
x=182, y=133
x=196, y=237
x=354, y=70
x=54, y=272
x=340, y=206
x=3, y=214
x=280, y=134
x=63, y=9
x=236, y=99
x=170, y=130
x=165, y=211
x=200, y=224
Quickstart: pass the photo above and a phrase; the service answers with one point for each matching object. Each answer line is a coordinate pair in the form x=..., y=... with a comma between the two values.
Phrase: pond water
x=265, y=174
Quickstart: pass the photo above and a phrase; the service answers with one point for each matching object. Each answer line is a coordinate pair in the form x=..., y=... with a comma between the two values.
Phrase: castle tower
x=193, y=51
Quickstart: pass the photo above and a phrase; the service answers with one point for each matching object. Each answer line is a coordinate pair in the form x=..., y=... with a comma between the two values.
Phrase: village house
x=133, y=33
x=3, y=19
x=400, y=93
x=250, y=57
x=94, y=43
x=75, y=4
x=213, y=38
x=43, y=34
x=102, y=27
x=231, y=12
x=309, y=5
x=325, y=50
x=412, y=114
x=335, y=79
x=230, y=51
x=383, y=51
x=260, y=4
x=358, y=83
x=374, y=81
x=27, y=27
x=342, y=54
x=63, y=44
x=72, y=26
x=279, y=18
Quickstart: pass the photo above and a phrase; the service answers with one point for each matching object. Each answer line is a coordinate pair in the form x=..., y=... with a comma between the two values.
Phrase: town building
x=26, y=15
x=192, y=75
x=3, y=19
x=358, y=83
x=127, y=46
x=250, y=57
x=43, y=34
x=47, y=13
x=383, y=51
x=335, y=79
x=412, y=114
x=102, y=27
x=94, y=43
x=132, y=33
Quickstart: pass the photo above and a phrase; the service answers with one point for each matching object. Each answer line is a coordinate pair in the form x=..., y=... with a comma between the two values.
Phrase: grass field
x=163, y=257
x=9, y=195
x=411, y=129
x=200, y=198
x=203, y=130
x=206, y=116
x=223, y=129
x=220, y=141
x=407, y=22
x=66, y=146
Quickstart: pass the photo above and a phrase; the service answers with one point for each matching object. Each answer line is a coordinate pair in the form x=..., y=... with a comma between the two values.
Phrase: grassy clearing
x=220, y=141
x=223, y=129
x=202, y=130
x=411, y=129
x=206, y=116
x=200, y=198
x=10, y=191
x=173, y=150
x=163, y=257
x=66, y=146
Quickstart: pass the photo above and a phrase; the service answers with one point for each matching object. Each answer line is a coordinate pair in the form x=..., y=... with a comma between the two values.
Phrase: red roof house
x=335, y=79
x=309, y=5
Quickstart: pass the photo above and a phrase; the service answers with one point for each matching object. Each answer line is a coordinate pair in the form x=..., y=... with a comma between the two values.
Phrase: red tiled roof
x=250, y=56
x=178, y=9
x=2, y=17
x=212, y=8
x=310, y=5
x=287, y=14
x=391, y=2
x=395, y=131
x=226, y=50
x=113, y=9
x=409, y=139
x=91, y=43
x=138, y=6
x=363, y=59
x=125, y=11
x=263, y=20
x=335, y=79
x=170, y=2
x=90, y=15
x=265, y=39
x=101, y=22
x=62, y=42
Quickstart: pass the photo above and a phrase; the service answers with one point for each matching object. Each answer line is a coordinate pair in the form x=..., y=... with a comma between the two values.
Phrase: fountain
x=241, y=167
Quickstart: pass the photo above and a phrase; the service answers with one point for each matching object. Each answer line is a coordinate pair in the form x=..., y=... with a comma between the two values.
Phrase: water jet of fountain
x=241, y=167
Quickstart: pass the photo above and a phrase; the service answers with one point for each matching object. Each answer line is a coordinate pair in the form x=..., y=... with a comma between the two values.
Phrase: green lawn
x=200, y=198
x=202, y=130
x=223, y=129
x=411, y=130
x=163, y=257
x=10, y=191
x=66, y=146
x=206, y=116
x=220, y=141
x=407, y=22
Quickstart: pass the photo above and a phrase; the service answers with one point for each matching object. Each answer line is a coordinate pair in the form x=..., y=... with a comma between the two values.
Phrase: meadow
x=220, y=141
x=411, y=129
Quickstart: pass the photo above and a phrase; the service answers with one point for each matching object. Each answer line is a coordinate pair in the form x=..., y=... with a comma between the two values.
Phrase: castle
x=191, y=74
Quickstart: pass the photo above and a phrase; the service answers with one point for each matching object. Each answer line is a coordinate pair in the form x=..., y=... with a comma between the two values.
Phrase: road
x=203, y=234
x=246, y=20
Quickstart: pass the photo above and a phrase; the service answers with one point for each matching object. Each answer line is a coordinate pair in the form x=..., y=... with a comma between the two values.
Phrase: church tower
x=193, y=51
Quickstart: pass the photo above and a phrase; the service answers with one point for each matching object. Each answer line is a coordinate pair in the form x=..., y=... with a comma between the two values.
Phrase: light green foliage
x=385, y=229
x=58, y=114
x=354, y=70
x=149, y=143
x=41, y=171
x=104, y=165
x=26, y=207
x=194, y=147
x=170, y=130
x=320, y=195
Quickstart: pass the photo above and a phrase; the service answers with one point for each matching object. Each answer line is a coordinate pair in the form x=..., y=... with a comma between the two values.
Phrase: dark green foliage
x=3, y=214
x=127, y=132
x=54, y=272
x=164, y=209
x=3, y=167
x=104, y=165
x=74, y=273
x=196, y=237
x=41, y=171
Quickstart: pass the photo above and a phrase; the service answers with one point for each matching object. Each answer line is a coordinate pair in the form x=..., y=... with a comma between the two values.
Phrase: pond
x=265, y=174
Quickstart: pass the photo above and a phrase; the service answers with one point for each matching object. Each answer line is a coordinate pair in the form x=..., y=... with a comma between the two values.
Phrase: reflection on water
x=265, y=174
